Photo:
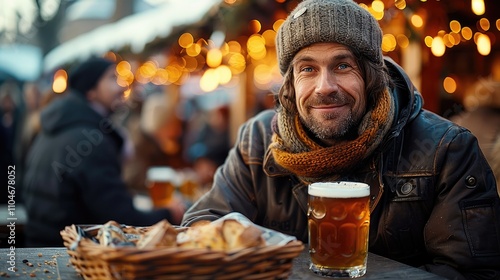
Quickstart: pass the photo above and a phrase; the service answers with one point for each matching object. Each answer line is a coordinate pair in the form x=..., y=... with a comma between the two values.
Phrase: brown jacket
x=434, y=200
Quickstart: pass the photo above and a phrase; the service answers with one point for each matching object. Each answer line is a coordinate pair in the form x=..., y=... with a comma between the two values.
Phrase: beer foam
x=161, y=174
x=341, y=189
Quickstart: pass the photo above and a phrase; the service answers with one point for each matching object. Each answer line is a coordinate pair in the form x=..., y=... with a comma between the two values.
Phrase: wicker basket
x=94, y=261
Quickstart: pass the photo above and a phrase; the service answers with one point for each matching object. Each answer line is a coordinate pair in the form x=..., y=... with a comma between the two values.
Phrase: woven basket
x=94, y=261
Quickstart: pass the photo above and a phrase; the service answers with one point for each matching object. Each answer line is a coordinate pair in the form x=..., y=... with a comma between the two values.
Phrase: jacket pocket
x=481, y=228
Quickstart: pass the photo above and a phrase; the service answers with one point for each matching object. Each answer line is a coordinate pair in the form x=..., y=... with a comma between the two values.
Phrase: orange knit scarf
x=295, y=151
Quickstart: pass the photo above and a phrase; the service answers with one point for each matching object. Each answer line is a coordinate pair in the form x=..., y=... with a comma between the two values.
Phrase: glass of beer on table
x=339, y=220
x=161, y=182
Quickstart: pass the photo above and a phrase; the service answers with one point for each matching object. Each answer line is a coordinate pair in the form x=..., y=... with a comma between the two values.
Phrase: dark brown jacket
x=434, y=199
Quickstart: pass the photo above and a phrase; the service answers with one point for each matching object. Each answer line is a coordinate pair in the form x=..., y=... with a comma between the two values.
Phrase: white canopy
x=136, y=30
x=20, y=61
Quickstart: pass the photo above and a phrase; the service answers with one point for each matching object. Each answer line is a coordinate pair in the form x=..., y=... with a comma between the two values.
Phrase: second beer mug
x=339, y=220
x=161, y=182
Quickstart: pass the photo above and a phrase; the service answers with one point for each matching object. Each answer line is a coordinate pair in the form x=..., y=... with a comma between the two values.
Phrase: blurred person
x=32, y=100
x=345, y=112
x=211, y=144
x=10, y=113
x=73, y=169
x=482, y=116
x=28, y=128
x=154, y=131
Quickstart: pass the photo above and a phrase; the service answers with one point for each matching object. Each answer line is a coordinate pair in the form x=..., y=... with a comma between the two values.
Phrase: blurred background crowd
x=194, y=70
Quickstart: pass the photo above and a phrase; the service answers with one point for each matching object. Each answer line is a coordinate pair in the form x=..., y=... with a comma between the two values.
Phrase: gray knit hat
x=340, y=21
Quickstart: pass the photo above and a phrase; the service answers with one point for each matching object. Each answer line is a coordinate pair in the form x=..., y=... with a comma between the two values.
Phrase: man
x=345, y=113
x=73, y=171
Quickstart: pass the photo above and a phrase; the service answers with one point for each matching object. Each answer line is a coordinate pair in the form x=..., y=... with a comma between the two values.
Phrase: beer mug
x=339, y=220
x=161, y=182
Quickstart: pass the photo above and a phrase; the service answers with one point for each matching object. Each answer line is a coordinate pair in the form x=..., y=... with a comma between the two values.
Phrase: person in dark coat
x=73, y=169
x=345, y=112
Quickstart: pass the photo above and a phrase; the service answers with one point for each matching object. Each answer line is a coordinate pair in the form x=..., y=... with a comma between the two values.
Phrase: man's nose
x=327, y=83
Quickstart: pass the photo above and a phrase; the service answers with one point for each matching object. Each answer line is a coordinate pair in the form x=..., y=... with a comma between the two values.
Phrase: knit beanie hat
x=85, y=75
x=340, y=21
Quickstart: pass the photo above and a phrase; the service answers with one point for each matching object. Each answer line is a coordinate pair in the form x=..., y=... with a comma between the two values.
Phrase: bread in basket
x=229, y=248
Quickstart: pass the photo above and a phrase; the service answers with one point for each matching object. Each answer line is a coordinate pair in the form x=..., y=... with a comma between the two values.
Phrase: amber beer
x=339, y=220
x=161, y=183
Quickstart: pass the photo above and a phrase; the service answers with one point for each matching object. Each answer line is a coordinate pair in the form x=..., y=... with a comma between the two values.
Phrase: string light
x=478, y=7
x=223, y=62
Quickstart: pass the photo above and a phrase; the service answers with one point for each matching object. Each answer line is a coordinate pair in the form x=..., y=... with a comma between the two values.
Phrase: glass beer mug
x=339, y=220
x=161, y=182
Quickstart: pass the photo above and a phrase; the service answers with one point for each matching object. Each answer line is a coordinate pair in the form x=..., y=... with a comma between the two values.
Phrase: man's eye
x=343, y=66
x=306, y=69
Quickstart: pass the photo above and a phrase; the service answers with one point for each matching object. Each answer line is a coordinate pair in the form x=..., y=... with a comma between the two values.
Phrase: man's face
x=329, y=90
x=107, y=92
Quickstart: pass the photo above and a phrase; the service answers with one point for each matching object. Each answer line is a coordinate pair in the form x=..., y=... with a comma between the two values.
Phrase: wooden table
x=53, y=263
x=377, y=268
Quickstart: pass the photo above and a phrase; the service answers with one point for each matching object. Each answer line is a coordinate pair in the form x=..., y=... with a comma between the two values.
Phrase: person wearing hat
x=345, y=112
x=73, y=171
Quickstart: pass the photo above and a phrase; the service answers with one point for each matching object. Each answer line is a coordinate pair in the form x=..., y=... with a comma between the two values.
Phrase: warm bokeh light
x=484, y=24
x=209, y=81
x=126, y=93
x=191, y=63
x=400, y=4
x=388, y=42
x=174, y=73
x=237, y=63
x=234, y=46
x=123, y=68
x=403, y=41
x=160, y=77
x=214, y=58
x=428, y=41
x=270, y=37
x=438, y=48
x=256, y=43
x=254, y=26
x=467, y=33
x=224, y=74
x=456, y=37
x=378, y=6
x=277, y=24
x=478, y=7
x=483, y=44
x=224, y=49
x=455, y=26
x=186, y=40
x=125, y=77
x=449, y=85
x=448, y=40
x=256, y=46
x=417, y=21
x=148, y=69
x=262, y=74
x=378, y=15
x=194, y=50
x=60, y=81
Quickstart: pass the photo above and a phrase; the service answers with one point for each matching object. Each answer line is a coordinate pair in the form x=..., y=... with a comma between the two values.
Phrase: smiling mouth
x=328, y=107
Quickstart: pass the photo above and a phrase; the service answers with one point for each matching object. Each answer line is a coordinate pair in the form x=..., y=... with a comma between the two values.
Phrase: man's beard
x=346, y=128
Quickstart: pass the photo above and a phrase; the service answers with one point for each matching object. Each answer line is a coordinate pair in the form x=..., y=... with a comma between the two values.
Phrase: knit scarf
x=310, y=162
